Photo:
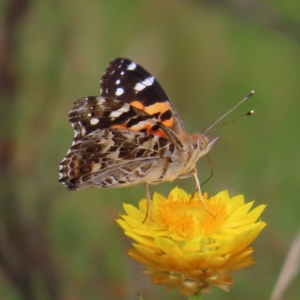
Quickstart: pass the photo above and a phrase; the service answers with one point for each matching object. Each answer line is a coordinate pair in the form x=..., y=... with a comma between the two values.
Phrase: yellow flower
x=185, y=247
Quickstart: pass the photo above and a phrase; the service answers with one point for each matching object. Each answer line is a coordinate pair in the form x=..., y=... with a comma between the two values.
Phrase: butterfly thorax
x=183, y=160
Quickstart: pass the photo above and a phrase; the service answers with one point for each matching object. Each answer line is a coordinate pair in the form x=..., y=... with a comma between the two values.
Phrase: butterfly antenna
x=249, y=113
x=210, y=128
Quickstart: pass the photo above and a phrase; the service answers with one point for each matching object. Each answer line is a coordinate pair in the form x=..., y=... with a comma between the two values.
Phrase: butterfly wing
x=127, y=81
x=115, y=158
x=95, y=112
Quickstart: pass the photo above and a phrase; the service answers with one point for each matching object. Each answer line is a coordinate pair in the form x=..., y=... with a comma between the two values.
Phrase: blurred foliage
x=58, y=244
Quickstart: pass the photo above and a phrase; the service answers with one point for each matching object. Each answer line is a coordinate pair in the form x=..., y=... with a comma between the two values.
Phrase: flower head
x=187, y=248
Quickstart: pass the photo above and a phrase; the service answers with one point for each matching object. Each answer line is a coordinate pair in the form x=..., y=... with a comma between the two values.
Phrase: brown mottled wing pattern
x=115, y=158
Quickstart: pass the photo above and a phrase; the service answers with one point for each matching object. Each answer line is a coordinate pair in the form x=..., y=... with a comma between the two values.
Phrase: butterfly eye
x=204, y=143
x=200, y=144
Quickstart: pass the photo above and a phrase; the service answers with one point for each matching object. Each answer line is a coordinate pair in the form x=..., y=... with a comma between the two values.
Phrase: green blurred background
x=58, y=244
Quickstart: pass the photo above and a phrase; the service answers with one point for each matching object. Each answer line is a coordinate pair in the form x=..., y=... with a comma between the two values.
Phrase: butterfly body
x=129, y=134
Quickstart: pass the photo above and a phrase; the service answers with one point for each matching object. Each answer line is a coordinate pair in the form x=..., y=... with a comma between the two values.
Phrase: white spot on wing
x=140, y=125
x=139, y=86
x=118, y=112
x=122, y=73
x=94, y=121
x=132, y=66
x=118, y=81
x=115, y=114
x=119, y=91
x=124, y=108
x=148, y=81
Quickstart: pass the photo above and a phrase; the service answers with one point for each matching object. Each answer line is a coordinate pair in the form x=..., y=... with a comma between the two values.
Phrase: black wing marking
x=127, y=81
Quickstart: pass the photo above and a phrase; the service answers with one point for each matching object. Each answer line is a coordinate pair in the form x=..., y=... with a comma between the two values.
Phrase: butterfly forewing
x=95, y=112
x=127, y=81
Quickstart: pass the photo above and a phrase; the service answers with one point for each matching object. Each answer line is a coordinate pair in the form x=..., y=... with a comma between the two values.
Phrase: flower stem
x=197, y=296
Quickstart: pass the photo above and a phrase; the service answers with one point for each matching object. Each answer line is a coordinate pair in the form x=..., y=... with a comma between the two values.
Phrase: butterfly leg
x=198, y=187
x=149, y=207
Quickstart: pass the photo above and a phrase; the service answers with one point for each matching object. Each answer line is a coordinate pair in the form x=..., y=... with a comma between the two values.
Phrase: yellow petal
x=145, y=241
x=223, y=195
x=148, y=253
x=168, y=246
x=240, y=213
x=192, y=245
x=255, y=213
x=133, y=212
x=243, y=264
x=133, y=253
x=175, y=263
x=237, y=201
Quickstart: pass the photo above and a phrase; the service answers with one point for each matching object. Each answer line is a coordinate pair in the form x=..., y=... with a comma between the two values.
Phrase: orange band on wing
x=138, y=105
x=157, y=132
x=119, y=126
x=137, y=128
x=159, y=107
x=147, y=126
x=168, y=123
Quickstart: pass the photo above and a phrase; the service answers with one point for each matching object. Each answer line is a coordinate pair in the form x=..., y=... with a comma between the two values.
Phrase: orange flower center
x=188, y=218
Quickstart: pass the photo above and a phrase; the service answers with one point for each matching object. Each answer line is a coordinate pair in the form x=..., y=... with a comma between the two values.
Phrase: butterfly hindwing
x=113, y=157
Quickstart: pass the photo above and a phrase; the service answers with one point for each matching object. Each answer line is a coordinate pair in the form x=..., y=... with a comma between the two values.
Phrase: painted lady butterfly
x=129, y=134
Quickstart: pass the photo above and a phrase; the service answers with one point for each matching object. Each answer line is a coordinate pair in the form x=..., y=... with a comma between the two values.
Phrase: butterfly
x=129, y=134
